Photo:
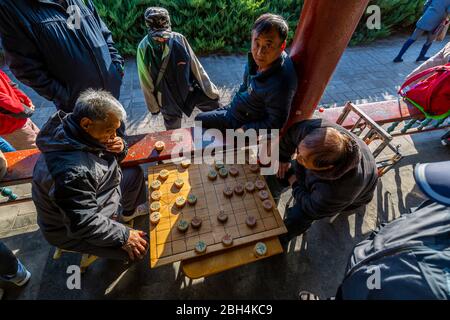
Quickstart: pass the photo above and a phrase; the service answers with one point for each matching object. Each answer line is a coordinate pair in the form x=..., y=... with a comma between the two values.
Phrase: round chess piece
x=228, y=192
x=227, y=240
x=179, y=183
x=155, y=206
x=182, y=225
x=233, y=171
x=263, y=195
x=260, y=249
x=212, y=175
x=192, y=199
x=159, y=146
x=260, y=184
x=222, y=216
x=155, y=217
x=250, y=186
x=239, y=189
x=200, y=247
x=196, y=222
x=155, y=185
x=164, y=174
x=250, y=221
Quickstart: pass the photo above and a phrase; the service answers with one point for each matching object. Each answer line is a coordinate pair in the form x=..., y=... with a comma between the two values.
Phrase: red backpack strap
x=421, y=75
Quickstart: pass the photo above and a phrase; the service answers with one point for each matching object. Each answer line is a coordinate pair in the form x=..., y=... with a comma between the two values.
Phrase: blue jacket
x=410, y=256
x=435, y=13
x=264, y=99
x=59, y=63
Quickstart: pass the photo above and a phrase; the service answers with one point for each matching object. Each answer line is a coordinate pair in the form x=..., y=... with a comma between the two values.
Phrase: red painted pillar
x=323, y=33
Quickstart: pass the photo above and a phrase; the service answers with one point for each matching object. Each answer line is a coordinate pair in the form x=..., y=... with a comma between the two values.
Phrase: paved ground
x=315, y=262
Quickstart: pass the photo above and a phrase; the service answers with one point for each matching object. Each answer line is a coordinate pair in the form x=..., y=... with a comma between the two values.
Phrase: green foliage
x=223, y=26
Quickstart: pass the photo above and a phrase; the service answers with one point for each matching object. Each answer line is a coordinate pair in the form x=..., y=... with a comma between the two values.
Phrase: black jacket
x=264, y=99
x=76, y=186
x=344, y=187
x=56, y=61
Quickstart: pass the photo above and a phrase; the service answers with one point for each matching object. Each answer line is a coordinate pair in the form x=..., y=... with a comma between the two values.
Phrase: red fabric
x=11, y=100
x=432, y=93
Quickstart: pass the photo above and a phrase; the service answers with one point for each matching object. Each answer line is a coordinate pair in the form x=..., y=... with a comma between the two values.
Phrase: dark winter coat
x=76, y=186
x=264, y=99
x=56, y=61
x=344, y=187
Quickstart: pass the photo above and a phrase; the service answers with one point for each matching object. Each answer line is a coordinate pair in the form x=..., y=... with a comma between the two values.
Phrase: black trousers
x=198, y=99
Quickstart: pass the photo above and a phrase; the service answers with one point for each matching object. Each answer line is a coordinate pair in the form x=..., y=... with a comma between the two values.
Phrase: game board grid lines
x=170, y=244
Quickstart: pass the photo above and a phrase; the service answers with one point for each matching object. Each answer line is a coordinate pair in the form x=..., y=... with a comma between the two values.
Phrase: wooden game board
x=168, y=244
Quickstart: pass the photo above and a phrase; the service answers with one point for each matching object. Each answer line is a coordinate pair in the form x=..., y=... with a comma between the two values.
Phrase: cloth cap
x=157, y=18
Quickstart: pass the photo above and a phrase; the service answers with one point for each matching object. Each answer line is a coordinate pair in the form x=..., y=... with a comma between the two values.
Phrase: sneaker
x=21, y=277
x=142, y=210
x=306, y=295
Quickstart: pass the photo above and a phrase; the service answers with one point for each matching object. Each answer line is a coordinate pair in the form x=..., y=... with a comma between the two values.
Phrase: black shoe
x=397, y=60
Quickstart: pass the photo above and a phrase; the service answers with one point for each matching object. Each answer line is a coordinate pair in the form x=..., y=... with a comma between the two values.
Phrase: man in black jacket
x=334, y=171
x=79, y=187
x=270, y=82
x=59, y=48
x=409, y=257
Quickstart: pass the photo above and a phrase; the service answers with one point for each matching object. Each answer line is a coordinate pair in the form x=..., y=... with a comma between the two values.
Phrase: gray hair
x=97, y=104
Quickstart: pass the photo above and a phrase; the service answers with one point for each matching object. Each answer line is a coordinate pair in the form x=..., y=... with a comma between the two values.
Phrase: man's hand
x=282, y=169
x=136, y=246
x=116, y=145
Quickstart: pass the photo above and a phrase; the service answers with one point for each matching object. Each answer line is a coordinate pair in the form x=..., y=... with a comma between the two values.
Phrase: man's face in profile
x=102, y=131
x=266, y=48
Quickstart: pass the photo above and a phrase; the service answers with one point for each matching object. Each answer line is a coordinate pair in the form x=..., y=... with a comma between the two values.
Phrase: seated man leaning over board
x=333, y=171
x=270, y=82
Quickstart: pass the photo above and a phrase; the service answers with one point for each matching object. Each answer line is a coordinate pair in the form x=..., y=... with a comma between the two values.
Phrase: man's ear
x=85, y=123
x=283, y=45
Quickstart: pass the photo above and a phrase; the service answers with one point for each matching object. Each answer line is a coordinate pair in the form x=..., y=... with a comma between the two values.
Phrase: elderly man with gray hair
x=79, y=188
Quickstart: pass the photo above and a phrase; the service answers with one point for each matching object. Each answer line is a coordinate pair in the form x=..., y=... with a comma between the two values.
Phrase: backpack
x=432, y=94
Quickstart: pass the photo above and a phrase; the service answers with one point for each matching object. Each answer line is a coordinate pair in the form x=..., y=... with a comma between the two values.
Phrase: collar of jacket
x=253, y=67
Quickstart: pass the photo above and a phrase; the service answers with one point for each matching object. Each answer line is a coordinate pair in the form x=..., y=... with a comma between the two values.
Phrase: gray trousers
x=134, y=193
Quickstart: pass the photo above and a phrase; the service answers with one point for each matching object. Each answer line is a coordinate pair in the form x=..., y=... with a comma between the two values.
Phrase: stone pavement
x=316, y=262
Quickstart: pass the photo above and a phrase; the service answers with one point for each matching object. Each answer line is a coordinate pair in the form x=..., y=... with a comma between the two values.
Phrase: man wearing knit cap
x=172, y=78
